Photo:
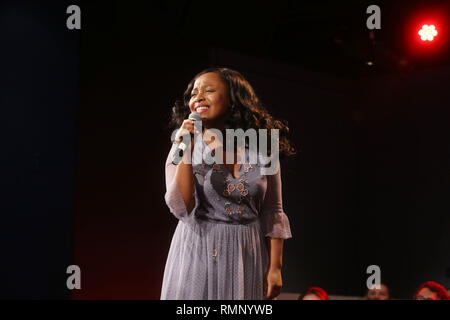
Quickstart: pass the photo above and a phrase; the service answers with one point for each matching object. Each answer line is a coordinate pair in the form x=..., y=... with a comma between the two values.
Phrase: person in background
x=381, y=293
x=314, y=293
x=431, y=291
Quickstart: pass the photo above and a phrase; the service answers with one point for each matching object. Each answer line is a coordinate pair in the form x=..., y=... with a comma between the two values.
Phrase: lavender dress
x=218, y=250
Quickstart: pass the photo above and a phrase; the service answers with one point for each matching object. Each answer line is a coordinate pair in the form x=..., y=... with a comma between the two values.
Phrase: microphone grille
x=195, y=116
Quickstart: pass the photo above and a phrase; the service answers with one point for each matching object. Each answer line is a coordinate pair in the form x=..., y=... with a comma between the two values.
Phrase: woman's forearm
x=185, y=181
x=274, y=282
x=275, y=246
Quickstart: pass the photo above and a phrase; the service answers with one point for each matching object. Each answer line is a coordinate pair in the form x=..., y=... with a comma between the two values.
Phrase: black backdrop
x=368, y=185
x=39, y=60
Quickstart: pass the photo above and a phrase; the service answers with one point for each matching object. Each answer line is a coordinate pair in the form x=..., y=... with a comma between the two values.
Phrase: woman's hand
x=272, y=284
x=186, y=127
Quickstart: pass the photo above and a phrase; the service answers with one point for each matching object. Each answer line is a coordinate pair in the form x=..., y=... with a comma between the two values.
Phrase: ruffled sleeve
x=173, y=197
x=275, y=223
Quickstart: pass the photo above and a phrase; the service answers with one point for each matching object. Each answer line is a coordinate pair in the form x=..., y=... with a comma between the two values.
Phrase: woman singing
x=228, y=243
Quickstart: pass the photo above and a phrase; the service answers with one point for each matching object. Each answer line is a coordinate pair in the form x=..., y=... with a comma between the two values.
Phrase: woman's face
x=209, y=97
x=311, y=296
x=378, y=294
x=426, y=294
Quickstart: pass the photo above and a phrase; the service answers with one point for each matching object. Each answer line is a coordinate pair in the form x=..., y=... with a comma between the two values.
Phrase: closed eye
x=194, y=94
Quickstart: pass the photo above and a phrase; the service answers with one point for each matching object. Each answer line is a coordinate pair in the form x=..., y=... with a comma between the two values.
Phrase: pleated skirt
x=215, y=261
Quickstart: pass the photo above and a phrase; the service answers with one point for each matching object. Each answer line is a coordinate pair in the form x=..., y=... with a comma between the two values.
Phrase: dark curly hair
x=246, y=110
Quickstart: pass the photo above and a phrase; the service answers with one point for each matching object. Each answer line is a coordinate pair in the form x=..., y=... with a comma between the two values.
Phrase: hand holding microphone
x=185, y=135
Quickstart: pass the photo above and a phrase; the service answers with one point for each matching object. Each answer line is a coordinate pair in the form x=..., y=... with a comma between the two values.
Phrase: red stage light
x=428, y=32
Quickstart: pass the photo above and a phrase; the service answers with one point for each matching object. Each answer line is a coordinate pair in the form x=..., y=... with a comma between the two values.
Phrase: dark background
x=85, y=114
x=39, y=74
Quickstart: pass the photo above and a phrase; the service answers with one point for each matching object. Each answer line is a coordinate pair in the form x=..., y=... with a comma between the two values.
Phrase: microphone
x=179, y=152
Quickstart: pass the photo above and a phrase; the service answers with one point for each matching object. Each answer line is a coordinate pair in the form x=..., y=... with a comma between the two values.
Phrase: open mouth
x=202, y=109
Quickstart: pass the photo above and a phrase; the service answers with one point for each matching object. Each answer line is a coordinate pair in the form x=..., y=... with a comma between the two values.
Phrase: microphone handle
x=181, y=148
